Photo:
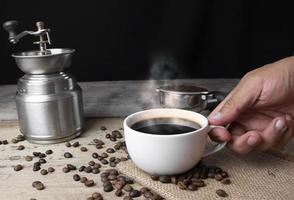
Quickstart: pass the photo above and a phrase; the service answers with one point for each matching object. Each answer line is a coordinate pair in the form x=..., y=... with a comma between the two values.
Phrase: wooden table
x=103, y=101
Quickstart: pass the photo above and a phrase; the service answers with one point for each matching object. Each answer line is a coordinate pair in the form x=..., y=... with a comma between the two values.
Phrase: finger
x=245, y=143
x=220, y=135
x=242, y=97
x=273, y=133
x=288, y=134
x=254, y=121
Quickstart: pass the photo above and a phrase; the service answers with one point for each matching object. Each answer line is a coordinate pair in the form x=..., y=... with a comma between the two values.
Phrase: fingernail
x=280, y=124
x=215, y=116
x=288, y=117
x=251, y=141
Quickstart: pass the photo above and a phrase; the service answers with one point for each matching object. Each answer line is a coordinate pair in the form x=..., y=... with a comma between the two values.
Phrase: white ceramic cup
x=168, y=154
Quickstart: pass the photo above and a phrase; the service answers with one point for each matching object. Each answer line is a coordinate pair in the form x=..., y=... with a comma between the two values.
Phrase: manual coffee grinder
x=48, y=100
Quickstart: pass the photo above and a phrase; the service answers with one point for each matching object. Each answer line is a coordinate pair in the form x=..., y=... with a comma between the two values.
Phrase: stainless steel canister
x=49, y=107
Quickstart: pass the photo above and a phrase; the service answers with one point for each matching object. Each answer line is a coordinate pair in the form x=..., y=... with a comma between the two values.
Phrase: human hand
x=259, y=109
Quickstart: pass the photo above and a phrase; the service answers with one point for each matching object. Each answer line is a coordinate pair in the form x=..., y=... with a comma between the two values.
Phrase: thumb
x=243, y=96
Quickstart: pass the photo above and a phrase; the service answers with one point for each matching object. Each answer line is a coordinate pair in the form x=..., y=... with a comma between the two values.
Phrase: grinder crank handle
x=10, y=27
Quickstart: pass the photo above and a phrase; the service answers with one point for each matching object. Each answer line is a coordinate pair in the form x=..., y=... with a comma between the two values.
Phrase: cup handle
x=216, y=147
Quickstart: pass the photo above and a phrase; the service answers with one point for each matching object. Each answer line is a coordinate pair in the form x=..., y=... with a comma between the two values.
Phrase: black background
x=123, y=40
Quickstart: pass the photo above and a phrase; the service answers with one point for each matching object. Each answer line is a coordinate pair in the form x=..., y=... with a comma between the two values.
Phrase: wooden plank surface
x=59, y=185
x=115, y=98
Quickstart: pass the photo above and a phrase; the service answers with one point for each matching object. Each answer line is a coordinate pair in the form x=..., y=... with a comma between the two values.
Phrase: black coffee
x=165, y=126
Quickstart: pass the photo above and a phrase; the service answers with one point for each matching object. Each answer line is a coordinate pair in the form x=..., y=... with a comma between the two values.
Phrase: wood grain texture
x=115, y=98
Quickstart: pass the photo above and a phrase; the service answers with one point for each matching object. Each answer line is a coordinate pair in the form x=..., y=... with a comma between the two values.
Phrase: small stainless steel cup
x=189, y=97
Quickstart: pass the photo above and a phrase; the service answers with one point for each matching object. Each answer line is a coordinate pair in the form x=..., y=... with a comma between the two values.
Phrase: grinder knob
x=10, y=27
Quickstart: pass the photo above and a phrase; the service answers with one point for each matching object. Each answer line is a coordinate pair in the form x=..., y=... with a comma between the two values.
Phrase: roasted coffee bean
x=218, y=177
x=199, y=184
x=42, y=155
x=0, y=142
x=97, y=165
x=182, y=185
x=217, y=170
x=111, y=159
x=14, y=141
x=20, y=138
x=127, y=198
x=224, y=174
x=154, y=177
x=104, y=155
x=18, y=168
x=42, y=160
x=98, y=146
x=48, y=152
x=98, y=141
x=100, y=158
x=89, y=183
x=104, y=174
x=68, y=144
x=116, y=146
x=144, y=190
x=96, y=195
x=118, y=193
x=95, y=155
x=35, y=183
x=20, y=147
x=192, y=187
x=226, y=181
x=83, y=149
x=104, y=179
x=82, y=168
x=51, y=169
x=83, y=179
x=112, y=164
x=118, y=185
x=221, y=193
x=65, y=170
x=210, y=175
x=164, y=179
x=44, y=172
x=28, y=158
x=107, y=136
x=113, y=172
x=124, y=159
x=103, y=128
x=134, y=193
x=36, y=168
x=95, y=171
x=113, y=139
x=116, y=134
x=91, y=163
x=110, y=150
x=76, y=144
x=112, y=177
x=107, y=183
x=76, y=177
x=88, y=169
x=108, y=188
x=36, y=154
x=71, y=167
x=117, y=160
x=38, y=185
x=4, y=142
x=127, y=188
x=67, y=155
x=104, y=162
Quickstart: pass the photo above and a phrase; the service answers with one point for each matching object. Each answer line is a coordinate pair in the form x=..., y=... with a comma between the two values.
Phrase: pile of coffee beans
x=195, y=178
x=122, y=186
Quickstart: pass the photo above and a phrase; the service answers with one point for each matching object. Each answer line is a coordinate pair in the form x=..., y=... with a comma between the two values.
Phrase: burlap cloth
x=260, y=176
